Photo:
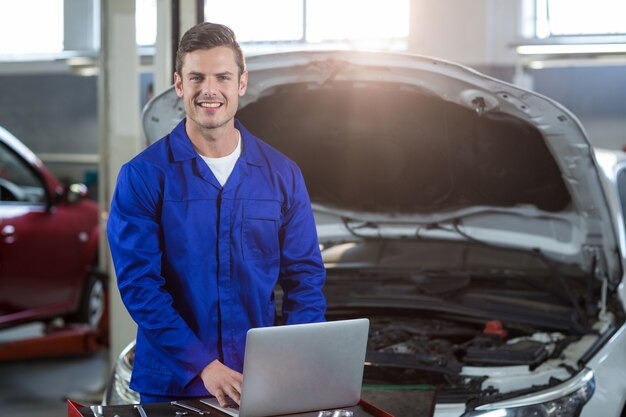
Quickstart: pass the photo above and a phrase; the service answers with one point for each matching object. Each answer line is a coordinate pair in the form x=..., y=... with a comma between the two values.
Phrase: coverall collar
x=183, y=150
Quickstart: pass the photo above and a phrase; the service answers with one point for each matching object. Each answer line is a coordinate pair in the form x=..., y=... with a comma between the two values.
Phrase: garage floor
x=39, y=388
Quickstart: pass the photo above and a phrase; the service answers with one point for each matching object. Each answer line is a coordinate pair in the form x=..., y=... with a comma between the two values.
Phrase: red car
x=48, y=243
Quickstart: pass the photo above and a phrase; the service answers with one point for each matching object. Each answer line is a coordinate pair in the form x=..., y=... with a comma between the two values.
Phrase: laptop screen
x=303, y=367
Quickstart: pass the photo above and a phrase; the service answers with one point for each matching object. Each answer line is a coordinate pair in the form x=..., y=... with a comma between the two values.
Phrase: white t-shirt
x=223, y=167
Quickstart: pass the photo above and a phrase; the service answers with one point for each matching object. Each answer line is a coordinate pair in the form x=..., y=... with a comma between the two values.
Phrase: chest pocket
x=261, y=220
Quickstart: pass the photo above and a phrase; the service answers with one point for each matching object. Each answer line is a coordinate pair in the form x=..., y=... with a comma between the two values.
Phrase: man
x=203, y=224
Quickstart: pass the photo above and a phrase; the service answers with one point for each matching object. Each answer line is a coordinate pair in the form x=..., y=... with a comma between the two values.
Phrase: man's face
x=210, y=88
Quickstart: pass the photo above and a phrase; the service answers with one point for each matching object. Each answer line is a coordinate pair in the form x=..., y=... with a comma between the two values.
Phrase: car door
x=39, y=262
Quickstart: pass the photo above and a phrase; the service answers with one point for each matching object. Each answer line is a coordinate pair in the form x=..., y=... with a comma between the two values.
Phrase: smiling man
x=203, y=225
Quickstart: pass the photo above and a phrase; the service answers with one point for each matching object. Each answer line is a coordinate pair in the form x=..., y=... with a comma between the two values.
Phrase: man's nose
x=209, y=87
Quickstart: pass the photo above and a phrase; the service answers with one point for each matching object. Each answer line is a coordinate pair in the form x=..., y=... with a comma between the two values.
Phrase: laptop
x=301, y=367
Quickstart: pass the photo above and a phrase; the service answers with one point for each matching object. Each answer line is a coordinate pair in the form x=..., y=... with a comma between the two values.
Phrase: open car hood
x=404, y=146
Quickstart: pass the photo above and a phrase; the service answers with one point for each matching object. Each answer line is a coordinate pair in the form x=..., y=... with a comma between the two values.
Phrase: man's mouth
x=209, y=104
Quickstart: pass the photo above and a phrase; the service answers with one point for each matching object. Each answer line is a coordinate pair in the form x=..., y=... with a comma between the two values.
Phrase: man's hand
x=221, y=381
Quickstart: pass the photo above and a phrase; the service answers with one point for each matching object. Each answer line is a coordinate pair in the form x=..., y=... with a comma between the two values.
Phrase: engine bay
x=471, y=336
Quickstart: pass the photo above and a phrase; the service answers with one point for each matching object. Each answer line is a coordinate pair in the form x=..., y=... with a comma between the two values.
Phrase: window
x=31, y=27
x=37, y=27
x=18, y=183
x=579, y=17
x=146, y=22
x=358, y=23
x=357, y=20
x=259, y=21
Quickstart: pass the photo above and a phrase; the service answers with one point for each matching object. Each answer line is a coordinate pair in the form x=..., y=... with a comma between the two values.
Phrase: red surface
x=373, y=410
x=72, y=409
x=495, y=327
x=76, y=339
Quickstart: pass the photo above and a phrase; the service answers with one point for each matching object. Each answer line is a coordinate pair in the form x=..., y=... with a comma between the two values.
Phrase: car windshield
x=18, y=183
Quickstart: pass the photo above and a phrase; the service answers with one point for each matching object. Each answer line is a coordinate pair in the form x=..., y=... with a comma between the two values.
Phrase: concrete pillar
x=472, y=32
x=187, y=15
x=163, y=59
x=119, y=134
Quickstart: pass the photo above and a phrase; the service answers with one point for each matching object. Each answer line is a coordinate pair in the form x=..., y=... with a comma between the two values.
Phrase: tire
x=92, y=303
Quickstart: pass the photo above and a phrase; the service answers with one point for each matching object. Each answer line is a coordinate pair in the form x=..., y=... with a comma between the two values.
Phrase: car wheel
x=92, y=304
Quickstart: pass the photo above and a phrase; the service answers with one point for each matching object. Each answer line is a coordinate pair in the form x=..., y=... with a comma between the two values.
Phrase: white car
x=467, y=218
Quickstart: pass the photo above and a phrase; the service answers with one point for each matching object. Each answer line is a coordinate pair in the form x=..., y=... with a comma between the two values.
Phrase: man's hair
x=207, y=36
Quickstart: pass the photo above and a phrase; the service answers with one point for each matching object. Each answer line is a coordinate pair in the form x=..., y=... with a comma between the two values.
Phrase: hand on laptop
x=221, y=381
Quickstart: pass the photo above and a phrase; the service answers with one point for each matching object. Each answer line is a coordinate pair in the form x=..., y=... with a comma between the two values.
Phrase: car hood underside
x=378, y=147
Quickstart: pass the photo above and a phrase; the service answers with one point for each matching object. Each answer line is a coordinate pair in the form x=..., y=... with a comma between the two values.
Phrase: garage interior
x=78, y=108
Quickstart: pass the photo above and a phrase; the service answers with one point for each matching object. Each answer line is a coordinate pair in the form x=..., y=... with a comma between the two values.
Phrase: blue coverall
x=197, y=263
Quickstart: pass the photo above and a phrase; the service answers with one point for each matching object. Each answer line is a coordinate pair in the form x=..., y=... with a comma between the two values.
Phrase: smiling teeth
x=211, y=105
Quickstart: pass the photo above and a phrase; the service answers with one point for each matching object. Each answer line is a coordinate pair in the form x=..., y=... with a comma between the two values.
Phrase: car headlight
x=564, y=400
x=118, y=391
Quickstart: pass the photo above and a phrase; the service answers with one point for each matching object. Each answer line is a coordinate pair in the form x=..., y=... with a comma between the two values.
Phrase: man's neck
x=214, y=143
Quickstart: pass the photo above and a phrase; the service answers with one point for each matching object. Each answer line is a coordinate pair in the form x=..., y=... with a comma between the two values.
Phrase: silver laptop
x=302, y=367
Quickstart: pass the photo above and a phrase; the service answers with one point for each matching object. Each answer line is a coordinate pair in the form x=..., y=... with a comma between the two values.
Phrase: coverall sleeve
x=134, y=234
x=302, y=273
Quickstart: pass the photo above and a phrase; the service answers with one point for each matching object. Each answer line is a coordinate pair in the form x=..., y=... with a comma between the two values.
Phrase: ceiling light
x=600, y=48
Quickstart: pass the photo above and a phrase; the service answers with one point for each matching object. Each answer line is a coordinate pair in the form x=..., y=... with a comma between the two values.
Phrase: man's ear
x=243, y=83
x=178, y=84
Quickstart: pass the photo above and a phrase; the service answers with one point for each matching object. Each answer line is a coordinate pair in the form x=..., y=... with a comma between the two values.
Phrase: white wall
x=472, y=32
